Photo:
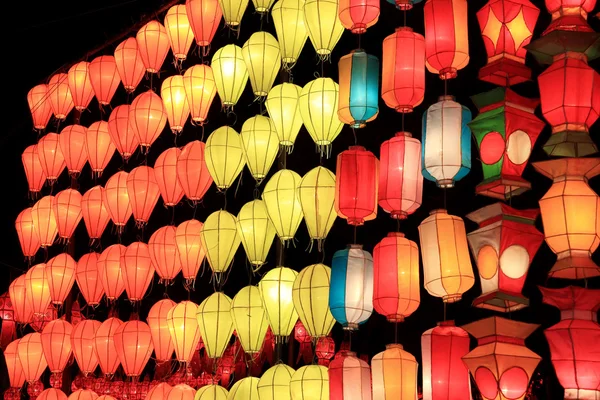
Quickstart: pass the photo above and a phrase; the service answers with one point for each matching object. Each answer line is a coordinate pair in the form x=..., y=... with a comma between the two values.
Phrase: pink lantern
x=349, y=377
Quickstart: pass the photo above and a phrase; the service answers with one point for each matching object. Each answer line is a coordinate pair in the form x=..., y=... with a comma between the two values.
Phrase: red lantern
x=67, y=211
x=60, y=97
x=129, y=64
x=153, y=45
x=116, y=199
x=192, y=172
x=104, y=343
x=82, y=342
x=80, y=85
x=104, y=78
x=33, y=169
x=164, y=253
x=143, y=193
x=37, y=290
x=191, y=251
x=358, y=15
x=205, y=17
x=165, y=173
x=39, y=106
x=147, y=118
x=44, y=220
x=31, y=356
x=134, y=346
x=121, y=134
x=159, y=329
x=94, y=212
x=109, y=269
x=569, y=15
x=137, y=270
x=302, y=336
x=349, y=377
x=56, y=343
x=60, y=273
x=51, y=157
x=73, y=147
x=325, y=350
x=100, y=147
x=16, y=375
x=27, y=233
x=17, y=291
x=88, y=278
x=357, y=176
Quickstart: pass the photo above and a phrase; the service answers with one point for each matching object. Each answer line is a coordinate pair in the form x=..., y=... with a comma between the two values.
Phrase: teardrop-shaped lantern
x=143, y=193
x=104, y=344
x=200, y=90
x=31, y=355
x=94, y=212
x=88, y=279
x=153, y=45
x=224, y=156
x=310, y=382
x=129, y=64
x=220, y=239
x=310, y=295
x=159, y=392
x=34, y=172
x=357, y=16
x=60, y=273
x=192, y=172
x=282, y=203
x=147, y=118
x=134, y=345
x=164, y=253
x=233, y=11
x=359, y=88
x=205, y=17
x=256, y=231
x=274, y=384
x=283, y=106
x=67, y=211
x=100, y=147
x=51, y=157
x=263, y=61
x=231, y=74
x=137, y=270
x=288, y=17
x=260, y=145
x=165, y=173
x=211, y=392
x=104, y=78
x=80, y=85
x=16, y=376
x=72, y=146
x=179, y=31
x=17, y=291
x=27, y=233
x=37, y=290
x=109, y=269
x=181, y=391
x=116, y=199
x=184, y=330
x=56, y=344
x=39, y=106
x=82, y=342
x=276, y=292
x=159, y=329
x=175, y=103
x=121, y=133
x=249, y=319
x=44, y=220
x=191, y=252
x=215, y=323
x=324, y=26
x=60, y=97
x=244, y=389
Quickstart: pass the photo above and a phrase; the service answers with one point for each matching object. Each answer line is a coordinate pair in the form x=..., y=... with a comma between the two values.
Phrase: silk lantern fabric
x=394, y=374
x=349, y=377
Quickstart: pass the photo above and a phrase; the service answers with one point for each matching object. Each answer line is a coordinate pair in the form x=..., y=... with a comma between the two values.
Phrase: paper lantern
x=184, y=330
x=249, y=319
x=60, y=274
x=34, y=172
x=263, y=61
x=159, y=391
x=82, y=342
x=44, y=220
x=230, y=72
x=179, y=31
x=31, y=356
x=569, y=340
x=104, y=78
x=503, y=248
x=73, y=147
x=133, y=343
x=204, y=17
x=83, y=394
x=224, y=156
x=356, y=185
x=104, y=344
x=181, y=392
x=109, y=269
x=505, y=131
x=59, y=94
x=288, y=18
x=165, y=173
x=16, y=375
x=192, y=171
x=310, y=382
x=274, y=384
x=282, y=203
x=276, y=293
x=445, y=377
x=394, y=374
x=147, y=118
x=159, y=329
x=351, y=289
x=260, y=145
x=357, y=16
x=283, y=107
x=501, y=364
x=56, y=344
x=310, y=295
x=349, y=377
x=359, y=88
x=446, y=142
x=447, y=269
x=37, y=290
x=164, y=253
x=566, y=209
x=569, y=15
x=27, y=233
x=129, y=64
x=88, y=279
x=256, y=232
x=318, y=109
x=215, y=323
x=188, y=239
x=94, y=212
x=39, y=106
x=446, y=37
x=52, y=394
x=200, y=89
x=67, y=211
x=17, y=291
x=137, y=270
x=211, y=392
x=153, y=45
x=233, y=11
x=143, y=191
x=100, y=147
x=220, y=239
x=121, y=134
x=244, y=389
x=175, y=103
x=80, y=85
x=116, y=199
x=50, y=156
x=323, y=24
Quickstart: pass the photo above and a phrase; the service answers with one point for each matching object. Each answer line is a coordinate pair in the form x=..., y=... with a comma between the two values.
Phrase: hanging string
x=403, y=114
x=354, y=234
x=445, y=306
x=355, y=138
x=396, y=332
x=445, y=87
x=445, y=199
x=404, y=15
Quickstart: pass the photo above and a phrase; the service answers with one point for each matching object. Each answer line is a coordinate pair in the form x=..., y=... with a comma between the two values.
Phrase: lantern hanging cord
x=445, y=309
x=404, y=17
x=397, y=224
x=396, y=332
x=445, y=199
x=355, y=138
x=445, y=87
x=403, y=115
x=354, y=234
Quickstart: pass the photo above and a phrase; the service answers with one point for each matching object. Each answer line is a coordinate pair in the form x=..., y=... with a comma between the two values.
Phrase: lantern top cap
x=446, y=323
x=572, y=298
x=569, y=167
x=394, y=346
x=438, y=211
x=404, y=29
x=347, y=353
x=446, y=97
x=493, y=211
x=357, y=147
x=355, y=246
x=395, y=234
x=497, y=326
x=403, y=134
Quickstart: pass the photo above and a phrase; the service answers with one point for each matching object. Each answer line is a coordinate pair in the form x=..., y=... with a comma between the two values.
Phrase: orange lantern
x=116, y=199
x=52, y=394
x=134, y=346
x=33, y=169
x=164, y=253
x=80, y=85
x=51, y=157
x=121, y=133
x=94, y=212
x=143, y=193
x=159, y=392
x=129, y=64
x=67, y=211
x=179, y=31
x=31, y=356
x=60, y=273
x=17, y=292
x=73, y=147
x=59, y=94
x=147, y=118
x=83, y=394
x=109, y=269
x=28, y=235
x=159, y=329
x=165, y=173
x=137, y=270
x=104, y=344
x=184, y=392
x=44, y=220
x=37, y=290
x=16, y=375
x=184, y=329
x=88, y=279
x=192, y=172
x=358, y=15
x=176, y=106
x=56, y=344
x=394, y=374
x=191, y=251
x=200, y=89
x=82, y=342
x=153, y=45
x=104, y=78
x=205, y=17
x=100, y=147
x=39, y=106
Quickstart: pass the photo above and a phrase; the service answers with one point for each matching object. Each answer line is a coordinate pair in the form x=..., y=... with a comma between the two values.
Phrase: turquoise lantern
x=359, y=88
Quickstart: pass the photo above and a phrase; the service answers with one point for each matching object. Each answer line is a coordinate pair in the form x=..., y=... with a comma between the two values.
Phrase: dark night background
x=45, y=37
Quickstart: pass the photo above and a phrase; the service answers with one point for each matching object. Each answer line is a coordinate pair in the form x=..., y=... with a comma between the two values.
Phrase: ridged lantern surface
x=282, y=104
x=153, y=45
x=99, y=147
x=88, y=279
x=231, y=74
x=59, y=94
x=249, y=319
x=143, y=192
x=147, y=118
x=176, y=106
x=192, y=171
x=274, y=384
x=179, y=31
x=67, y=211
x=31, y=356
x=80, y=86
x=137, y=270
x=224, y=156
x=215, y=323
x=129, y=64
x=29, y=238
x=36, y=177
x=165, y=173
x=233, y=11
x=60, y=274
x=256, y=232
x=323, y=25
x=134, y=346
x=56, y=344
x=37, y=290
x=188, y=239
x=16, y=375
x=44, y=220
x=276, y=288
x=94, y=212
x=121, y=133
x=84, y=349
x=288, y=18
x=184, y=330
x=263, y=61
x=73, y=147
x=359, y=88
x=164, y=253
x=50, y=156
x=211, y=392
x=220, y=239
x=357, y=16
x=104, y=78
x=39, y=106
x=104, y=344
x=310, y=382
x=200, y=89
x=394, y=374
x=109, y=269
x=281, y=201
x=159, y=329
x=260, y=145
x=117, y=201
x=205, y=17
x=310, y=295
x=22, y=311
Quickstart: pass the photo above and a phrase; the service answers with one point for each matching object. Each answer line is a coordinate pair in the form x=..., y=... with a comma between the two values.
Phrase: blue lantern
x=359, y=88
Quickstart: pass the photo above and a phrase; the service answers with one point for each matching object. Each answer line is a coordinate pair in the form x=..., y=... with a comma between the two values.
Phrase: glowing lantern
x=356, y=184
x=184, y=330
x=164, y=253
x=31, y=355
x=505, y=131
x=211, y=392
x=147, y=118
x=94, y=212
x=27, y=233
x=351, y=289
x=200, y=89
x=44, y=220
x=569, y=340
x=116, y=199
x=159, y=329
x=220, y=240
x=153, y=45
x=260, y=145
x=501, y=364
x=230, y=73
x=310, y=382
x=204, y=17
x=446, y=37
x=137, y=270
x=109, y=270
x=188, y=239
x=192, y=171
x=60, y=274
x=104, y=78
x=233, y=11
x=288, y=17
x=52, y=394
x=256, y=232
x=503, y=248
x=17, y=291
x=100, y=147
x=404, y=5
x=59, y=95
x=569, y=15
x=80, y=85
x=249, y=320
x=323, y=25
x=56, y=344
x=358, y=15
x=82, y=342
x=447, y=269
x=143, y=191
x=165, y=173
x=88, y=279
x=50, y=156
x=310, y=295
x=283, y=107
x=349, y=377
x=318, y=109
x=129, y=64
x=445, y=377
x=276, y=293
x=215, y=323
x=359, y=88
x=83, y=394
x=179, y=31
x=274, y=384
x=263, y=61
x=73, y=147
x=133, y=343
x=394, y=374
x=175, y=103
x=104, y=344
x=39, y=106
x=121, y=134
x=224, y=156
x=159, y=392
x=67, y=211
x=15, y=371
x=37, y=290
x=34, y=172
x=566, y=209
x=181, y=392
x=403, y=73
x=282, y=203
x=446, y=142
x=244, y=389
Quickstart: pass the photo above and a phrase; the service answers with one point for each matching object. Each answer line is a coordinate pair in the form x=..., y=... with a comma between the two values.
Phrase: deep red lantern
x=349, y=377
x=569, y=15
x=325, y=350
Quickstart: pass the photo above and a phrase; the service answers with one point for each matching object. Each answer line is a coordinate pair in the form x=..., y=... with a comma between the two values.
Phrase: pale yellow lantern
x=230, y=73
x=256, y=232
x=184, y=330
x=316, y=194
x=244, y=389
x=260, y=145
x=172, y=92
x=200, y=89
x=233, y=11
x=211, y=392
x=274, y=384
x=282, y=203
x=310, y=295
x=263, y=60
x=283, y=106
x=324, y=26
x=310, y=382
x=318, y=108
x=224, y=156
x=179, y=31
x=288, y=17
x=262, y=6
x=276, y=293
x=249, y=319
x=216, y=325
x=220, y=239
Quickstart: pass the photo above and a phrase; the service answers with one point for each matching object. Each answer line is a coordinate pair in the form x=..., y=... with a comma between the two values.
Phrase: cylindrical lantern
x=446, y=37
x=188, y=239
x=179, y=31
x=211, y=392
x=256, y=231
x=61, y=100
x=310, y=382
x=116, y=199
x=31, y=355
x=184, y=330
x=447, y=269
x=249, y=319
x=104, y=78
x=244, y=389
x=109, y=269
x=359, y=88
x=204, y=17
x=143, y=192
x=200, y=90
x=129, y=64
x=159, y=329
x=323, y=25
x=121, y=133
x=310, y=295
x=349, y=377
x=94, y=212
x=215, y=323
x=192, y=172
x=67, y=211
x=39, y=106
x=358, y=15
x=73, y=147
x=137, y=270
x=56, y=344
x=283, y=106
x=233, y=11
x=274, y=384
x=356, y=184
x=263, y=61
x=281, y=201
x=104, y=344
x=394, y=374
x=37, y=290
x=80, y=85
x=134, y=345
x=220, y=239
x=88, y=279
x=164, y=253
x=260, y=145
x=60, y=274
x=34, y=172
x=175, y=102
x=224, y=156
x=82, y=342
x=147, y=118
x=446, y=154
x=276, y=293
x=44, y=220
x=153, y=45
x=288, y=17
x=165, y=173
x=351, y=289
x=100, y=147
x=29, y=238
x=17, y=291
x=231, y=74
x=51, y=157
x=16, y=375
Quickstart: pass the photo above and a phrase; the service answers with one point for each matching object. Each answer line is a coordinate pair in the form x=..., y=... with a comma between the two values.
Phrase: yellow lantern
x=244, y=389
x=316, y=194
x=256, y=231
x=211, y=392
x=224, y=156
x=394, y=374
x=310, y=382
x=288, y=17
x=230, y=72
x=220, y=239
x=249, y=320
x=184, y=330
x=233, y=11
x=172, y=93
x=318, y=108
x=215, y=323
x=274, y=384
x=324, y=26
x=260, y=145
x=276, y=293
x=179, y=31
x=282, y=203
x=200, y=89
x=263, y=60
x=262, y=6
x=447, y=269
x=310, y=295
x=283, y=106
